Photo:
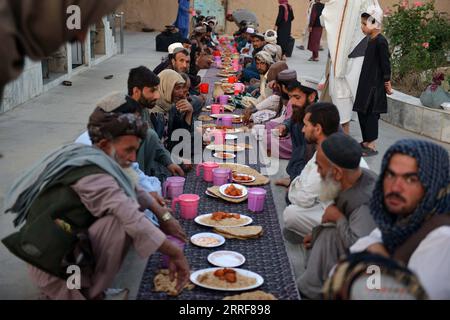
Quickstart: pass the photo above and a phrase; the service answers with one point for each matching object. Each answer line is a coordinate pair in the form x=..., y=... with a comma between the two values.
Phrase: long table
x=266, y=256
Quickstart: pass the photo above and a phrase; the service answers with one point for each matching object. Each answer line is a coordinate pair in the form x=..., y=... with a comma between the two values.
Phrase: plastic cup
x=226, y=120
x=204, y=88
x=173, y=187
x=207, y=170
x=221, y=176
x=180, y=244
x=188, y=205
x=217, y=109
x=219, y=137
x=223, y=100
x=256, y=199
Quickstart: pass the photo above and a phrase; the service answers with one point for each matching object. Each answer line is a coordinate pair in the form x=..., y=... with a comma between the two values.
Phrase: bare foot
x=284, y=182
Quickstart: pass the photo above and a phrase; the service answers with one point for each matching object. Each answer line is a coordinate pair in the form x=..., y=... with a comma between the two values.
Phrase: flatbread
x=204, y=117
x=243, y=233
x=254, y=295
x=162, y=283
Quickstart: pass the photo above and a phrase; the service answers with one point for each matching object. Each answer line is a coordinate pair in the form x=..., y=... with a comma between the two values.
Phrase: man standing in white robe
x=346, y=44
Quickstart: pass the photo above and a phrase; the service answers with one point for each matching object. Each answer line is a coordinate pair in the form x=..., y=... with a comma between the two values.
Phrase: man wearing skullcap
x=80, y=208
x=268, y=108
x=344, y=222
x=410, y=206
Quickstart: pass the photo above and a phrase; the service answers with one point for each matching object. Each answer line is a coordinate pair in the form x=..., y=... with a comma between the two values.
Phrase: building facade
x=40, y=76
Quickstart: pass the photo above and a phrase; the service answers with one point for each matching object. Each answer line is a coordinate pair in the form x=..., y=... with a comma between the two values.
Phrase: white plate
x=243, y=174
x=230, y=137
x=220, y=115
x=216, y=236
x=247, y=273
x=245, y=221
x=216, y=155
x=226, y=259
x=223, y=187
x=229, y=148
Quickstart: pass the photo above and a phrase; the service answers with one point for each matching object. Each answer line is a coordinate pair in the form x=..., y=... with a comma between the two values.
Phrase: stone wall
x=408, y=113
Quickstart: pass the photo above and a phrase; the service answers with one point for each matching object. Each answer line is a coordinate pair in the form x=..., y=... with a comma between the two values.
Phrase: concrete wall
x=407, y=112
x=158, y=13
x=31, y=83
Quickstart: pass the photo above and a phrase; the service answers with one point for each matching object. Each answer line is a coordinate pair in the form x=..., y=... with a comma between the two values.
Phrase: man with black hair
x=305, y=211
x=301, y=96
x=251, y=72
x=143, y=92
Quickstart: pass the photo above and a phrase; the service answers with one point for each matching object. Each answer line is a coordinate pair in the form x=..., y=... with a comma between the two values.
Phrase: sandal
x=369, y=152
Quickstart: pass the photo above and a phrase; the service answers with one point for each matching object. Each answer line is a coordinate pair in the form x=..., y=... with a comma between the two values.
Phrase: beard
x=329, y=188
x=132, y=174
x=147, y=103
x=122, y=163
x=298, y=112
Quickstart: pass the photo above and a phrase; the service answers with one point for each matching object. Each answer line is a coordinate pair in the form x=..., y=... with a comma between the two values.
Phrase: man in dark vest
x=82, y=210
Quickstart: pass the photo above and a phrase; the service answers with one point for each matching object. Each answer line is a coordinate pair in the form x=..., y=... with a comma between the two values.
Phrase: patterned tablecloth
x=266, y=256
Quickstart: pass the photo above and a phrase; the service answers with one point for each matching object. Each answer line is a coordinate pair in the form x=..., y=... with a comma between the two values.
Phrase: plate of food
x=207, y=240
x=232, y=190
x=223, y=219
x=227, y=279
x=224, y=155
x=226, y=259
x=225, y=147
x=221, y=115
x=242, y=177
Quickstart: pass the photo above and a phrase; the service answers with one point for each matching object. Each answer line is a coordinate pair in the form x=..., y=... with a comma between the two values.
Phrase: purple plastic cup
x=256, y=199
x=221, y=176
x=180, y=244
x=173, y=187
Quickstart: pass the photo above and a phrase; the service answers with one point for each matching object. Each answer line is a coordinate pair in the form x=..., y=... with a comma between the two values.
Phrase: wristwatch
x=166, y=216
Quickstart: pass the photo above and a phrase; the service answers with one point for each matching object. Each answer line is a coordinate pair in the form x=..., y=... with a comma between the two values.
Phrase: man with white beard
x=347, y=45
x=344, y=222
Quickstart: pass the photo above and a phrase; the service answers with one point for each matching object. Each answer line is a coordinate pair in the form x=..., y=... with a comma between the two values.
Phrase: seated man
x=410, y=206
x=305, y=212
x=300, y=98
x=306, y=209
x=173, y=103
x=251, y=72
x=348, y=219
x=143, y=92
x=272, y=47
x=263, y=63
x=78, y=203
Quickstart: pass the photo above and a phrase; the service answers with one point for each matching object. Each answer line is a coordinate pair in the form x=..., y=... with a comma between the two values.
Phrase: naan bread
x=247, y=232
x=162, y=283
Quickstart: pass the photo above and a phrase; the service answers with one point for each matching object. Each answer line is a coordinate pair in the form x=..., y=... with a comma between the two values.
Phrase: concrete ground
x=60, y=115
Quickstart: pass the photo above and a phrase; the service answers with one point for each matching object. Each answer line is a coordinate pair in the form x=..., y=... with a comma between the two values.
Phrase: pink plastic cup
x=221, y=176
x=207, y=170
x=223, y=100
x=217, y=109
x=180, y=244
x=173, y=187
x=256, y=199
x=219, y=136
x=188, y=205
